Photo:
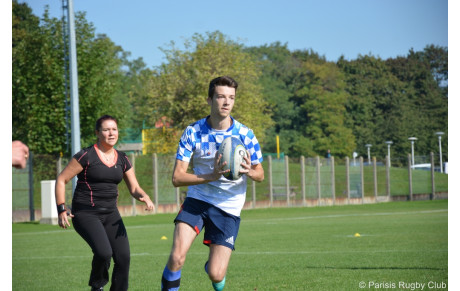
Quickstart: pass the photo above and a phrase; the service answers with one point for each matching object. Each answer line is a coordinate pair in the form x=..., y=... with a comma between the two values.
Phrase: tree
x=38, y=103
x=178, y=89
x=279, y=70
x=377, y=106
x=134, y=85
x=396, y=99
x=39, y=100
x=322, y=99
x=425, y=75
x=100, y=81
x=307, y=96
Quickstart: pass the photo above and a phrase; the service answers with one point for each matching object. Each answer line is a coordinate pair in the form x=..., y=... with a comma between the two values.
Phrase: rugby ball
x=232, y=151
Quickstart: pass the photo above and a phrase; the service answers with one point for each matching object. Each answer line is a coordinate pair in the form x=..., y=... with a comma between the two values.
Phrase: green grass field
x=277, y=249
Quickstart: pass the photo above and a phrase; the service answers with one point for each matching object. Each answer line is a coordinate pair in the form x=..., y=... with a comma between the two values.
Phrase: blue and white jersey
x=199, y=144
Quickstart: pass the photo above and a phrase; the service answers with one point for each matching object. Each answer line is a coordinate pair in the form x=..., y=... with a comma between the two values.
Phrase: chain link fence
x=288, y=181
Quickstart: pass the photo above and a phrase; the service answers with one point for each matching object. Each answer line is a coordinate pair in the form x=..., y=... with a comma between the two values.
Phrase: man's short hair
x=221, y=81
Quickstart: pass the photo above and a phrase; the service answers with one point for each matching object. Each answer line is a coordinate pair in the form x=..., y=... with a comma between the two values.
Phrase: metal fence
x=310, y=181
x=22, y=196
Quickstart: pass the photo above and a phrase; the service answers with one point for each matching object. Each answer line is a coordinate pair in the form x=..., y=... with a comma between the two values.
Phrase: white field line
x=345, y=215
x=71, y=230
x=266, y=220
x=255, y=253
x=335, y=252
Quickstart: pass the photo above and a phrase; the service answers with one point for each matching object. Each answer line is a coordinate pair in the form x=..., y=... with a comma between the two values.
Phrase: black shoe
x=97, y=289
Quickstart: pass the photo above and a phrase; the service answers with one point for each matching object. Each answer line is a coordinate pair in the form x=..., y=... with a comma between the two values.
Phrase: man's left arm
x=255, y=172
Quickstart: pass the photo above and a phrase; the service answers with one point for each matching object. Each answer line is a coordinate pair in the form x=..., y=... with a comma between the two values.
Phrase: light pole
x=389, y=143
x=412, y=141
x=369, y=152
x=439, y=134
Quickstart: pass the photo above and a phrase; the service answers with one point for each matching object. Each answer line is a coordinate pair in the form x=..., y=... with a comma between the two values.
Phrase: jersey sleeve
x=126, y=163
x=82, y=156
x=253, y=146
x=186, y=145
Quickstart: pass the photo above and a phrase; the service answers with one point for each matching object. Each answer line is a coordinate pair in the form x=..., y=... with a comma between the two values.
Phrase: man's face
x=222, y=102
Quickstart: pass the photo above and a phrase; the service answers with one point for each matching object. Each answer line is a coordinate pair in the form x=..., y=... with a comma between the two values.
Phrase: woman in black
x=100, y=168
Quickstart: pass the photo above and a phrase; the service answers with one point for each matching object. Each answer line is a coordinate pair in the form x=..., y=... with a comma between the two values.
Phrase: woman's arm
x=136, y=190
x=70, y=171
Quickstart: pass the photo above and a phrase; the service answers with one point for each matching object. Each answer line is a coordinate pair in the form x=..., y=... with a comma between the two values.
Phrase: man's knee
x=216, y=274
x=176, y=261
x=216, y=277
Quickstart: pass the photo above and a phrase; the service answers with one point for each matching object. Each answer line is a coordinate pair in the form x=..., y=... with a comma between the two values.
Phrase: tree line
x=312, y=104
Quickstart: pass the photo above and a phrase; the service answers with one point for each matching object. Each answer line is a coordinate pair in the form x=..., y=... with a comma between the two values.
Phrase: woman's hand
x=148, y=202
x=63, y=220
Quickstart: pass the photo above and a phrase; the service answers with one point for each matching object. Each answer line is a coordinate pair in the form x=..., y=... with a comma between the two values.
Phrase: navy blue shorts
x=221, y=228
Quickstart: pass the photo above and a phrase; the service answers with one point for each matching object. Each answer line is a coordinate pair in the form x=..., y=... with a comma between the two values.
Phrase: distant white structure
x=130, y=147
x=49, y=210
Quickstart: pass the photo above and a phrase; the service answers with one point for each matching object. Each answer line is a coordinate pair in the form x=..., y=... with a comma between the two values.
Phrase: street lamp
x=389, y=143
x=412, y=141
x=439, y=134
x=369, y=152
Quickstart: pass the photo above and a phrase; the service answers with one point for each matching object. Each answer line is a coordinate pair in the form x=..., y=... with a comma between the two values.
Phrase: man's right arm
x=182, y=178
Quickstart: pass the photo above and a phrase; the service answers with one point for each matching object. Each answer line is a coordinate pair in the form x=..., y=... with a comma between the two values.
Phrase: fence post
x=347, y=177
x=286, y=169
x=410, y=175
x=374, y=161
x=177, y=199
x=270, y=180
x=302, y=179
x=133, y=160
x=318, y=180
x=387, y=168
x=333, y=180
x=361, y=164
x=59, y=166
x=31, y=187
x=433, y=189
x=155, y=179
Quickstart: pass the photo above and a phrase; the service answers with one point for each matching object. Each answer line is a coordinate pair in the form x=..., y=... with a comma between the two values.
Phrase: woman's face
x=108, y=133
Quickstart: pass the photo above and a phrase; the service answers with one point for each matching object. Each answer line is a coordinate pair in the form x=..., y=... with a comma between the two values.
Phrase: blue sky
x=383, y=28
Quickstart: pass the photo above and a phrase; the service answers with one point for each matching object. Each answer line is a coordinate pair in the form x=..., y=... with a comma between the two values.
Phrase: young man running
x=213, y=202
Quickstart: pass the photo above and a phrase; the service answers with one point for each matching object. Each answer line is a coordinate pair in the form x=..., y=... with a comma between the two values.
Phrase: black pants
x=105, y=233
